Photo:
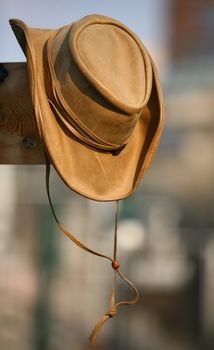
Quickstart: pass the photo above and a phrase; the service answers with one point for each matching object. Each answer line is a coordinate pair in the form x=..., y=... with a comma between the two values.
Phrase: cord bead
x=115, y=265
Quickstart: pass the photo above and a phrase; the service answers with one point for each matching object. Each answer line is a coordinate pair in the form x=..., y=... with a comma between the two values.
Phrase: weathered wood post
x=19, y=138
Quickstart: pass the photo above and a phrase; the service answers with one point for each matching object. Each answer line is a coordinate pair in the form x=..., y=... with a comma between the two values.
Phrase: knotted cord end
x=100, y=324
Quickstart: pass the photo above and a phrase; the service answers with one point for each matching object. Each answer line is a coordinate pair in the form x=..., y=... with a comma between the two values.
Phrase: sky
x=148, y=19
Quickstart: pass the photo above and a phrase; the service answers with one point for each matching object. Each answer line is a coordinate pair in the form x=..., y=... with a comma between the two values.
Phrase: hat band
x=82, y=137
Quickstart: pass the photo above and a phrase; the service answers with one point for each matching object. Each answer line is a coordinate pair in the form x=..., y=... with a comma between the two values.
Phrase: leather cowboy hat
x=98, y=103
x=99, y=110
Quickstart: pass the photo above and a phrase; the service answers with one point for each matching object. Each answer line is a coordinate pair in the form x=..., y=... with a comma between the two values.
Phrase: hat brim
x=95, y=175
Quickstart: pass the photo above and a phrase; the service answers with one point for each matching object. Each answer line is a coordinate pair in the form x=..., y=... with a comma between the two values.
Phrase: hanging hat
x=99, y=110
x=98, y=103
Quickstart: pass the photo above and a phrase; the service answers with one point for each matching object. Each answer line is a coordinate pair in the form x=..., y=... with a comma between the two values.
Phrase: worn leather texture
x=98, y=103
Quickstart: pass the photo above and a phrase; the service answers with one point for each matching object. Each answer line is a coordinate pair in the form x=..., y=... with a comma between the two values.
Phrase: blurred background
x=51, y=292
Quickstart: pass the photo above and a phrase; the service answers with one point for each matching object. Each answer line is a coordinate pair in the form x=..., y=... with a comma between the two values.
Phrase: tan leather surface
x=93, y=96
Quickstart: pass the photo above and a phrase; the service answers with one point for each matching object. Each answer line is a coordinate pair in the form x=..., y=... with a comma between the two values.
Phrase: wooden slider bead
x=115, y=265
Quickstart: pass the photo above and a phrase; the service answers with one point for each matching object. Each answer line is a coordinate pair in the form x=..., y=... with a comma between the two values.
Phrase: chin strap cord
x=112, y=312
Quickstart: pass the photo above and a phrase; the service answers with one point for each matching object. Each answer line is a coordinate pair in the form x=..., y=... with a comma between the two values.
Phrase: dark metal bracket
x=3, y=73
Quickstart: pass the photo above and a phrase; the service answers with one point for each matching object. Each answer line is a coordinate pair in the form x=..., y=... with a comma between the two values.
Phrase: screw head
x=29, y=142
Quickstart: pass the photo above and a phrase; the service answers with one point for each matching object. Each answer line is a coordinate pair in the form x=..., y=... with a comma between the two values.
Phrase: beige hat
x=98, y=103
x=99, y=110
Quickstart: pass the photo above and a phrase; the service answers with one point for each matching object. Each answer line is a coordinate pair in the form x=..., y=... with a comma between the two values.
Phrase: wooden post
x=19, y=137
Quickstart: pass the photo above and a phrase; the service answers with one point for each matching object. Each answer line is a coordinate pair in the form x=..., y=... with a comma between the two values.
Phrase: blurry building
x=187, y=153
x=192, y=32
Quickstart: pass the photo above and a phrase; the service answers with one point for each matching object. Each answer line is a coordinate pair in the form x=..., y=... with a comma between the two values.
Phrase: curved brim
x=95, y=175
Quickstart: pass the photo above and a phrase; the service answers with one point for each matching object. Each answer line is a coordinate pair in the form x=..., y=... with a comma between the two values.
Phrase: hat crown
x=111, y=60
x=102, y=77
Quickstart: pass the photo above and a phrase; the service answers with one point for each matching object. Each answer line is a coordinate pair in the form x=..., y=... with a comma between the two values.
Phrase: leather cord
x=112, y=312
